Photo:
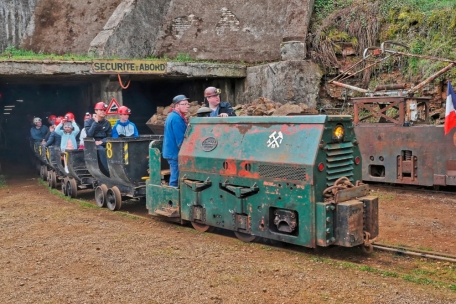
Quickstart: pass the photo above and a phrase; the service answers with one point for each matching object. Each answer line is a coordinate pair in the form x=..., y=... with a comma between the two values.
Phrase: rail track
x=415, y=252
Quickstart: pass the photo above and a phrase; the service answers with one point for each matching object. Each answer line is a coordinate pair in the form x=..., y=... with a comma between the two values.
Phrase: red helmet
x=58, y=120
x=212, y=91
x=100, y=106
x=69, y=116
x=51, y=117
x=124, y=110
x=87, y=116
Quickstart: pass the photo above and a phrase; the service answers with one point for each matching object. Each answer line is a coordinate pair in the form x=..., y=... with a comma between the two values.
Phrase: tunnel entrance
x=22, y=98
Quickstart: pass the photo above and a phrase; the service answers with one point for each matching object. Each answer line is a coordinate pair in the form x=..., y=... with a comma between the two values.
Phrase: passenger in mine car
x=100, y=129
x=124, y=127
x=54, y=138
x=219, y=108
x=38, y=131
x=83, y=133
x=175, y=127
x=68, y=130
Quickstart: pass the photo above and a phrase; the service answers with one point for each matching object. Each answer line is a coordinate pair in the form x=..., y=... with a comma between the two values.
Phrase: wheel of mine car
x=114, y=199
x=43, y=173
x=49, y=178
x=64, y=187
x=53, y=179
x=202, y=227
x=72, y=188
x=100, y=195
x=247, y=238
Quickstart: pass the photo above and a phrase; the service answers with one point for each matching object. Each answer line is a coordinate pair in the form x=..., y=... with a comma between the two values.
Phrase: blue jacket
x=67, y=136
x=38, y=134
x=175, y=128
x=124, y=129
x=54, y=140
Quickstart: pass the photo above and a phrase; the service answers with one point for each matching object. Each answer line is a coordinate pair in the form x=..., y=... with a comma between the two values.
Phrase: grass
x=3, y=181
x=12, y=53
x=421, y=276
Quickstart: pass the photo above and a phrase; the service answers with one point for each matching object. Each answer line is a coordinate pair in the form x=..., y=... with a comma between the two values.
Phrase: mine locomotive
x=291, y=179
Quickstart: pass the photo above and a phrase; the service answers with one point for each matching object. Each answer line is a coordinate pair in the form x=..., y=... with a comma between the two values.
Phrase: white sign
x=275, y=140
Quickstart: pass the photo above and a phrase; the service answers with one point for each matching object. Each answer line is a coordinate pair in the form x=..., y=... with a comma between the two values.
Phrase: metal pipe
x=430, y=78
x=343, y=85
x=389, y=87
x=418, y=254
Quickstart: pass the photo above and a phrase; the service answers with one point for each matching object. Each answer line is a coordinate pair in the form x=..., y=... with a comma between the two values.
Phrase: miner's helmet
x=36, y=120
x=211, y=91
x=58, y=119
x=203, y=112
x=100, y=106
x=124, y=110
x=69, y=116
x=51, y=118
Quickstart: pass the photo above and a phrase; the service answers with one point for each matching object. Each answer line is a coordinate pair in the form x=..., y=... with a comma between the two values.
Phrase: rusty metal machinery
x=401, y=146
x=292, y=179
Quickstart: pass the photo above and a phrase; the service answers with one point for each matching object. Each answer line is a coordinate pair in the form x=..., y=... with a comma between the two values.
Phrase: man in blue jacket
x=38, y=131
x=175, y=127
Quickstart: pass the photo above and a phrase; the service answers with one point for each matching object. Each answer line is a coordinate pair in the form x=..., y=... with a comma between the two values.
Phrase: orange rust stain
x=245, y=173
x=231, y=170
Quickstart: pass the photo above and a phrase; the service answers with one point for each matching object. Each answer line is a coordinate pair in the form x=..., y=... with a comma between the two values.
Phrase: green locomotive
x=293, y=179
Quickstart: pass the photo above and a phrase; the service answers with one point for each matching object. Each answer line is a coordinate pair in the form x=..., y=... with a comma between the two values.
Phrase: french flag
x=450, y=114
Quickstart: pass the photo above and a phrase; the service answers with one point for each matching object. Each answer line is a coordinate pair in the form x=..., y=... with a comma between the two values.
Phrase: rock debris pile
x=259, y=107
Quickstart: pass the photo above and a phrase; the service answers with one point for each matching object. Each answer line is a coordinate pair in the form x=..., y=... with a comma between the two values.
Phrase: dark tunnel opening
x=23, y=98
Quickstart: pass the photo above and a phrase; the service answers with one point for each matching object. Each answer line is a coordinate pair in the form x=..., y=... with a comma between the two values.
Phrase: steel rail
x=417, y=253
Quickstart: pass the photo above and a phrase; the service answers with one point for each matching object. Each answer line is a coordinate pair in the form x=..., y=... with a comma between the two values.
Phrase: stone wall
x=67, y=26
x=294, y=81
x=15, y=15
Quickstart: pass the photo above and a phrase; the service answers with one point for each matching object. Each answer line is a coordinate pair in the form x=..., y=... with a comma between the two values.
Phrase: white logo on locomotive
x=275, y=141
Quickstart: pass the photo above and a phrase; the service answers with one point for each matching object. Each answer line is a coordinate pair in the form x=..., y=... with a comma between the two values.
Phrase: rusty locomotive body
x=398, y=151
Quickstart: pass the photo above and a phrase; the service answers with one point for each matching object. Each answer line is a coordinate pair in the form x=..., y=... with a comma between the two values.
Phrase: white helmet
x=36, y=119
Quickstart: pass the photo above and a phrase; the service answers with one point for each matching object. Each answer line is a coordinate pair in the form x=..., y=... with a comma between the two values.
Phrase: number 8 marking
x=109, y=150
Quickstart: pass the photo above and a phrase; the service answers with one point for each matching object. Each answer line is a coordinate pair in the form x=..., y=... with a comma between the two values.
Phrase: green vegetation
x=12, y=53
x=427, y=27
x=2, y=181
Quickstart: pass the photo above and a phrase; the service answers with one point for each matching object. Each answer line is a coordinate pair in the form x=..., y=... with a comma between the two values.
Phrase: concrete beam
x=68, y=68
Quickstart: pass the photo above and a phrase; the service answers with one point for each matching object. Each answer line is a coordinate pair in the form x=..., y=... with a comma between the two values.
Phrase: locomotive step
x=168, y=212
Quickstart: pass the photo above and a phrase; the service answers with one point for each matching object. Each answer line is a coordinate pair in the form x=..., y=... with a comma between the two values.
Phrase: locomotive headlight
x=338, y=133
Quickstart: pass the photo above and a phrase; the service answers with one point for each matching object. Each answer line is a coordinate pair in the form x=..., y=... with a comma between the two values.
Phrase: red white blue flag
x=450, y=114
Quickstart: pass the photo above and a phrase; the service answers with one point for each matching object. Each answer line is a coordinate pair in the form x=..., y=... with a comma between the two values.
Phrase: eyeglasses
x=184, y=104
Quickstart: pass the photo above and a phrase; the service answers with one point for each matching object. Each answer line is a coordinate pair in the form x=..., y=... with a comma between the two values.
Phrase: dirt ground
x=56, y=250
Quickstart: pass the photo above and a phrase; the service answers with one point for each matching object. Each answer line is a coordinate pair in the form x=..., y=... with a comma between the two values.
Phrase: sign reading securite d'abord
x=128, y=67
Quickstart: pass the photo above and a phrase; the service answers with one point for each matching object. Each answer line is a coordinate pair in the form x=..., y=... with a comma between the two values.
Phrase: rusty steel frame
x=398, y=102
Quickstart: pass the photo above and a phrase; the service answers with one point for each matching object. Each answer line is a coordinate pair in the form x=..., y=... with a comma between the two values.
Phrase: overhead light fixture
x=20, y=100
x=10, y=106
x=7, y=113
x=7, y=109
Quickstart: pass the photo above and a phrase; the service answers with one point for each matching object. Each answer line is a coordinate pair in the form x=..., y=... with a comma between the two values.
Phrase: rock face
x=222, y=30
x=286, y=81
x=66, y=26
x=15, y=15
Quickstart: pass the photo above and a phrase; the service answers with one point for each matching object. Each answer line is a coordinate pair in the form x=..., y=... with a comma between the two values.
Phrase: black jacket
x=98, y=130
x=225, y=107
